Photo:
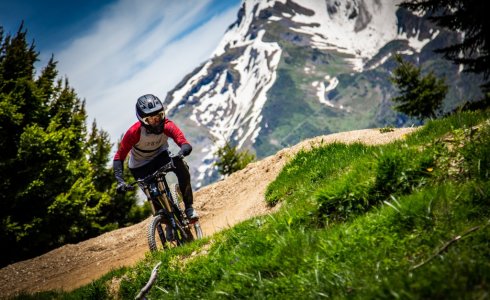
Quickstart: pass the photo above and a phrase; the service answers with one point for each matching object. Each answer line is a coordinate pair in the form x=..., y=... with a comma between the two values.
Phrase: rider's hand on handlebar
x=180, y=155
x=185, y=150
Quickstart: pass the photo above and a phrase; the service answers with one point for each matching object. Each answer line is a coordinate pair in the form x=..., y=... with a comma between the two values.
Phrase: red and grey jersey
x=144, y=146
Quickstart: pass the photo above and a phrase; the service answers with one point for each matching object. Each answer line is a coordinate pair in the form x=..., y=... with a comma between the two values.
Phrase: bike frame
x=157, y=190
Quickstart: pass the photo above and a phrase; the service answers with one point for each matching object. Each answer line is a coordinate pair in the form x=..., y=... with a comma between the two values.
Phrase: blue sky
x=114, y=51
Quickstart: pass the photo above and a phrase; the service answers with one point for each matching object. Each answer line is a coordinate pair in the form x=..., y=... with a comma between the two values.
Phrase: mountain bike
x=169, y=226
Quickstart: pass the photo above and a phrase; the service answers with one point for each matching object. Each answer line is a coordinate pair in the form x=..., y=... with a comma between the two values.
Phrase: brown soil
x=221, y=205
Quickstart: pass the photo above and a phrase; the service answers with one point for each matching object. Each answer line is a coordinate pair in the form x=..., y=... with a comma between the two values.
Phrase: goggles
x=154, y=118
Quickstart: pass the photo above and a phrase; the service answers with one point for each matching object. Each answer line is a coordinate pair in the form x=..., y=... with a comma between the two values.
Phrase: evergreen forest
x=56, y=186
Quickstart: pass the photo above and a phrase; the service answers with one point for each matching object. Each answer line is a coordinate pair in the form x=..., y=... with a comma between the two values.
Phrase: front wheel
x=161, y=235
x=197, y=232
x=194, y=231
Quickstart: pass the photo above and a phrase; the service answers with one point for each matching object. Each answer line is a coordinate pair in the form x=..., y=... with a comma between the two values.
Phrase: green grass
x=356, y=222
x=305, y=115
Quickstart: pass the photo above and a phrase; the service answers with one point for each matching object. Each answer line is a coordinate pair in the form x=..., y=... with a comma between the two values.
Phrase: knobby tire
x=157, y=236
x=156, y=233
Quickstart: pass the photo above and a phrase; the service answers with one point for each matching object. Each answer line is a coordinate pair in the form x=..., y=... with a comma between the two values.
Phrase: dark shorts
x=180, y=169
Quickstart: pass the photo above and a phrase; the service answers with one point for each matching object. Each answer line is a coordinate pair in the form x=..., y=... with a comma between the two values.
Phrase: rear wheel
x=193, y=230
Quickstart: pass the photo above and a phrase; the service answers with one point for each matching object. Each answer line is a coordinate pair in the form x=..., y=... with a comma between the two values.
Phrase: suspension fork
x=164, y=198
x=175, y=213
x=164, y=188
x=158, y=197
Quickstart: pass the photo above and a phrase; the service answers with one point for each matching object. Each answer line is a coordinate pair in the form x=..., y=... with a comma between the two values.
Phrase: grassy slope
x=357, y=222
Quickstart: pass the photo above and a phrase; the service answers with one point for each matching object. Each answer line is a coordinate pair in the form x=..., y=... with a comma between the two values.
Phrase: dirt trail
x=221, y=205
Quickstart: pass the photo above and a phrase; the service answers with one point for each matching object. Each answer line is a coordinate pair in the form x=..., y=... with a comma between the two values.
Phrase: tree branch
x=150, y=282
x=446, y=245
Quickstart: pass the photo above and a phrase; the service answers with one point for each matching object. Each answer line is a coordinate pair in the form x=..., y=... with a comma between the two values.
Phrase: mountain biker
x=147, y=141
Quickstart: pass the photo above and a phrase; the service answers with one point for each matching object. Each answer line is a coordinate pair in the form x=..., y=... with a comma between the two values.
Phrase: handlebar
x=163, y=169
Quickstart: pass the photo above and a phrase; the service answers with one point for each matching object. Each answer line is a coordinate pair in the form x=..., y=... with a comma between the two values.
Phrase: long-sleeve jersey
x=144, y=146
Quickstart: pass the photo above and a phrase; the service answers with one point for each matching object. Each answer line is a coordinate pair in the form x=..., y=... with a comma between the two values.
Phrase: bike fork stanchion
x=161, y=234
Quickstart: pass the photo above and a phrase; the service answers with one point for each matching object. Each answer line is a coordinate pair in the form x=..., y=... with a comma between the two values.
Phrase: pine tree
x=420, y=96
x=230, y=159
x=99, y=147
x=468, y=17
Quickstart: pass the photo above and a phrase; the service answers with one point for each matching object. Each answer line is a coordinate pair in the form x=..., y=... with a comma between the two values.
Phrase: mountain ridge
x=286, y=71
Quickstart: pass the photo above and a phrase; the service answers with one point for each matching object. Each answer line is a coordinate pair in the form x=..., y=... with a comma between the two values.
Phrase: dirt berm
x=222, y=204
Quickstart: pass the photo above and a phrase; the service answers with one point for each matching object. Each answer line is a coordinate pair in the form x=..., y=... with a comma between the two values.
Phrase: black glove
x=185, y=150
x=118, y=166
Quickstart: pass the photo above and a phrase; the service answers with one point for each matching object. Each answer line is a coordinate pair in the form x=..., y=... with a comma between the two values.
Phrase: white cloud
x=136, y=49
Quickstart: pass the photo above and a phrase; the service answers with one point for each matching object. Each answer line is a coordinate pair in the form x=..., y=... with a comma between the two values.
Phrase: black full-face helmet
x=148, y=106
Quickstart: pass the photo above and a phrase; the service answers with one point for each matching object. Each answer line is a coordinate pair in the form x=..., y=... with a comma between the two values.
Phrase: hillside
x=222, y=204
x=290, y=70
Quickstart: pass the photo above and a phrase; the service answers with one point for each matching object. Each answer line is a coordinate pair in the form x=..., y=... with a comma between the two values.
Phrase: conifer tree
x=420, y=96
x=45, y=81
x=55, y=185
x=468, y=17
x=230, y=159
x=99, y=148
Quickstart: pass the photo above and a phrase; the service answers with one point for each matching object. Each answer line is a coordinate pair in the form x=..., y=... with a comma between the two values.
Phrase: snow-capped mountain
x=292, y=69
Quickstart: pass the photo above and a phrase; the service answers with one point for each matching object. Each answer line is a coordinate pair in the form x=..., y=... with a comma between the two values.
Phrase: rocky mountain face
x=287, y=70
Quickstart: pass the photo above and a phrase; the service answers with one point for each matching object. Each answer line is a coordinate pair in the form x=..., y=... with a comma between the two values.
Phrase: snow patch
x=338, y=32
x=415, y=42
x=322, y=90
